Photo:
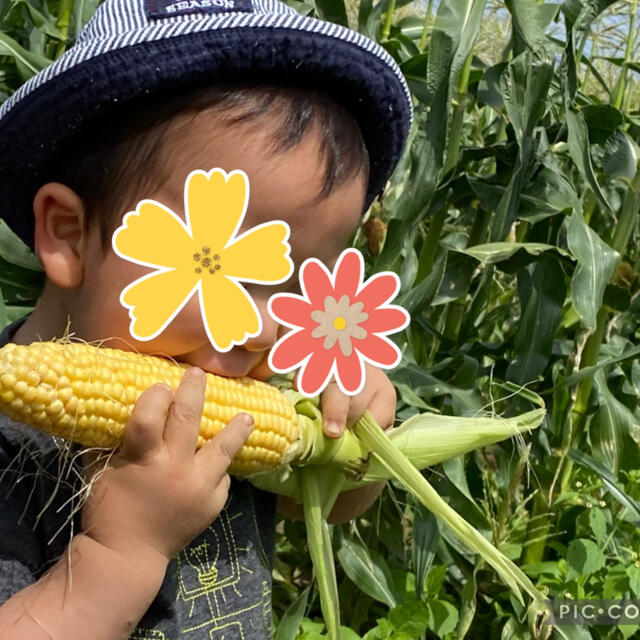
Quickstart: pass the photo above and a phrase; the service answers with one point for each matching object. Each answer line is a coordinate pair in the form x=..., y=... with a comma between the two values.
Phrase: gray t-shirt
x=218, y=587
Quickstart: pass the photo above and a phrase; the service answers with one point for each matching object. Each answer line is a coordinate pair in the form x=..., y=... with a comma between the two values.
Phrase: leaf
x=489, y=86
x=602, y=120
x=542, y=293
x=13, y=250
x=610, y=481
x=41, y=22
x=571, y=632
x=468, y=605
x=409, y=268
x=444, y=617
x=598, y=524
x=547, y=14
x=615, y=583
x=422, y=294
x=584, y=557
x=425, y=538
x=578, y=141
x=332, y=11
x=627, y=630
x=535, y=569
x=368, y=570
x=620, y=156
x=548, y=194
x=290, y=621
x=435, y=579
x=301, y=7
x=410, y=397
x=452, y=36
x=588, y=372
x=530, y=23
x=633, y=571
x=456, y=278
x=21, y=287
x=460, y=497
x=415, y=72
x=410, y=617
x=320, y=548
x=614, y=430
x=524, y=87
x=579, y=17
x=4, y=319
x=31, y=62
x=616, y=298
x=596, y=266
x=494, y=252
x=83, y=10
x=311, y=630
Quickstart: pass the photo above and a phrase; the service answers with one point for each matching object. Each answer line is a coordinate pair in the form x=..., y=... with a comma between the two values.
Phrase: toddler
x=167, y=546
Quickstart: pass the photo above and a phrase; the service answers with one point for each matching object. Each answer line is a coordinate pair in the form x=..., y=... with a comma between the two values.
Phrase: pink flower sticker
x=338, y=324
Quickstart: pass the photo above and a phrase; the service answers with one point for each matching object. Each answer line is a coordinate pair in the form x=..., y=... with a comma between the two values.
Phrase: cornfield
x=512, y=222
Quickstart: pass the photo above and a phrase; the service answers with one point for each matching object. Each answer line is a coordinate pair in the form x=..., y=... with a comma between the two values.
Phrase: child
x=316, y=116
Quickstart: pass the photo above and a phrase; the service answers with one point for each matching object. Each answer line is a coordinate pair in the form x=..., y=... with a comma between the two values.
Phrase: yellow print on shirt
x=217, y=587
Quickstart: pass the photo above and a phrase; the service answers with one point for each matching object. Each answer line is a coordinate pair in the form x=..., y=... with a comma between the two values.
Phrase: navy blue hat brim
x=64, y=105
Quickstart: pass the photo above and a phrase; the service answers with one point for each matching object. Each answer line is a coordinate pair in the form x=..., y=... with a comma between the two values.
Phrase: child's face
x=282, y=187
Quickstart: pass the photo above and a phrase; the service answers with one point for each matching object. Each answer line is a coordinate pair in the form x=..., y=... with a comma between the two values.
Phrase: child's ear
x=60, y=238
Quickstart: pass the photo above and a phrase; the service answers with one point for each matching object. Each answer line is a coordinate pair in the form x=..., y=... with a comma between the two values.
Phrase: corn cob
x=86, y=394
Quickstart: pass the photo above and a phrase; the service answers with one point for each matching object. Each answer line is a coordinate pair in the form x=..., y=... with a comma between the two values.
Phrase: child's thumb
x=219, y=451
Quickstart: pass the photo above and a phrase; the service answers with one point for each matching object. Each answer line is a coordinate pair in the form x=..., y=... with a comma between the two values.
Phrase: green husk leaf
x=401, y=468
x=320, y=549
x=428, y=439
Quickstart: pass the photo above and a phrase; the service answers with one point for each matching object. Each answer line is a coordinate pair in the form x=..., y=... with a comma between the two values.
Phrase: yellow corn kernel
x=86, y=394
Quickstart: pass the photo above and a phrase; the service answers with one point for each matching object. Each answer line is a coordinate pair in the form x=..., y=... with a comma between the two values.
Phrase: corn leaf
x=332, y=10
x=578, y=140
x=596, y=265
x=424, y=542
x=542, y=293
x=13, y=250
x=610, y=481
x=368, y=570
x=493, y=252
x=29, y=62
x=290, y=621
x=453, y=34
x=615, y=431
x=523, y=86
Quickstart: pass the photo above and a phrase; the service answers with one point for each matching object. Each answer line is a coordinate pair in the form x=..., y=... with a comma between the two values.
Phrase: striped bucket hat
x=135, y=47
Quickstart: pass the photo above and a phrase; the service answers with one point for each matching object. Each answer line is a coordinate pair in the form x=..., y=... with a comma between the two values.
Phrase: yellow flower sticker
x=203, y=255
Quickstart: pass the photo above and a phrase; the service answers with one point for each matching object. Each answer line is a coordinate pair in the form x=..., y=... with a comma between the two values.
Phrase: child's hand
x=340, y=411
x=158, y=492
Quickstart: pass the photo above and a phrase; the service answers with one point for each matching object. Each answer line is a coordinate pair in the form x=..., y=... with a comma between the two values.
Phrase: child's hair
x=120, y=158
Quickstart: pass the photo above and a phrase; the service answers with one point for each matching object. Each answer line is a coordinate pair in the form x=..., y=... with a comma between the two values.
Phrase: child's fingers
x=383, y=408
x=335, y=408
x=217, y=454
x=183, y=422
x=143, y=433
